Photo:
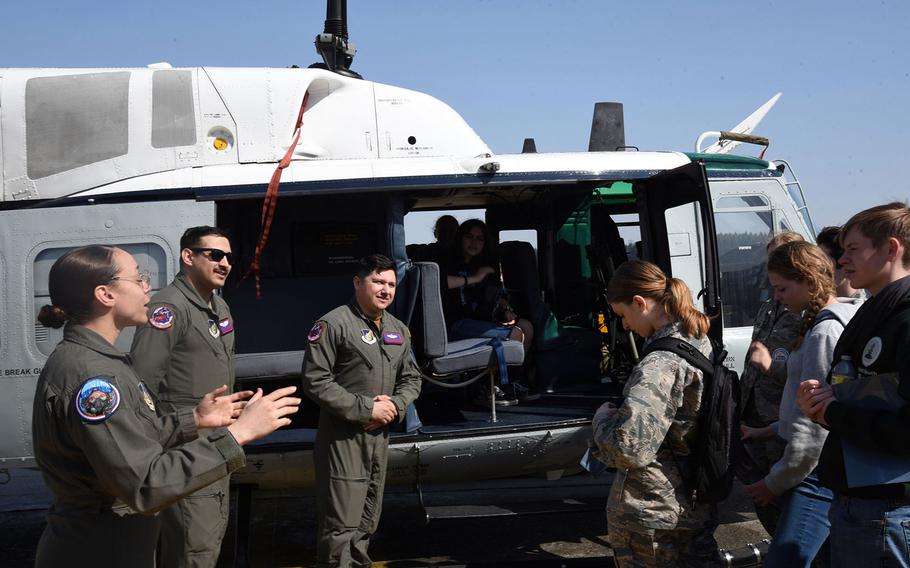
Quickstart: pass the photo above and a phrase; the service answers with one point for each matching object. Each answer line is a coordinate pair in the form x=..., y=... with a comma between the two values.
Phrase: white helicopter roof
x=67, y=132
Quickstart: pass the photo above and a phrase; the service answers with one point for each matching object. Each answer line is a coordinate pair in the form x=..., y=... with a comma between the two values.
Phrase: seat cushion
x=276, y=364
x=474, y=354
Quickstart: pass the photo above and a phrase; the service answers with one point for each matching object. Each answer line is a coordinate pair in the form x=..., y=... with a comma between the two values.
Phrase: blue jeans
x=869, y=532
x=802, y=529
x=469, y=329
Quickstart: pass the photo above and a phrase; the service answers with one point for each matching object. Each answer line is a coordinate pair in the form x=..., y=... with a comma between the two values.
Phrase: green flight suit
x=184, y=351
x=349, y=360
x=110, y=460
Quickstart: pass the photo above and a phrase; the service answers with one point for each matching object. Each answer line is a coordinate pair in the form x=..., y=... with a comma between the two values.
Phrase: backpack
x=710, y=475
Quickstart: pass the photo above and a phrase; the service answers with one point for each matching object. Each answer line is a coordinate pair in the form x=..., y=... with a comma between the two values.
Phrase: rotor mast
x=332, y=44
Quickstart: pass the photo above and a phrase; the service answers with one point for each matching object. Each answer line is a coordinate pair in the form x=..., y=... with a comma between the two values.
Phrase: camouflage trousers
x=650, y=548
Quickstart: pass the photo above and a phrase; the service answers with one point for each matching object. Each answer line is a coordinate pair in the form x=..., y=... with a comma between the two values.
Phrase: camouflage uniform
x=761, y=394
x=650, y=519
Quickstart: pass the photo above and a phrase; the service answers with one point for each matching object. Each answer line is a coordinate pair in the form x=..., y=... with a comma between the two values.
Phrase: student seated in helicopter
x=474, y=302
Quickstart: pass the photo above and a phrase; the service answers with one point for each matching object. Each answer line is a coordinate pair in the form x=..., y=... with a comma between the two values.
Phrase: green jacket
x=348, y=361
x=186, y=349
x=97, y=453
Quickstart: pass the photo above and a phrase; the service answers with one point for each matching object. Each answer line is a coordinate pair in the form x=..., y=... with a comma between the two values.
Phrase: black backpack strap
x=684, y=349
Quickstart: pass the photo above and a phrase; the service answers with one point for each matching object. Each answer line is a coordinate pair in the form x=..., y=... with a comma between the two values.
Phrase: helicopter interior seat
x=521, y=279
x=425, y=252
x=440, y=356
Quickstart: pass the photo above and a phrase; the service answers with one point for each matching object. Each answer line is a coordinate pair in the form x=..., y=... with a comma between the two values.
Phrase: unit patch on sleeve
x=97, y=399
x=162, y=317
x=392, y=338
x=316, y=331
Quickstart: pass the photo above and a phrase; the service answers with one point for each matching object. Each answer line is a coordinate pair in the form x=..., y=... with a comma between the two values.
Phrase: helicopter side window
x=75, y=120
x=150, y=256
x=173, y=112
x=743, y=225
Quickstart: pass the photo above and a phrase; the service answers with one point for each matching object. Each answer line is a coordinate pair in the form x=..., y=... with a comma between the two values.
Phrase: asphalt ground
x=284, y=523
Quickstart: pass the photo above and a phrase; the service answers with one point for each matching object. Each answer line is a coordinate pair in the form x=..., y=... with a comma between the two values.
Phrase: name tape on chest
x=392, y=338
x=97, y=400
x=226, y=326
x=162, y=317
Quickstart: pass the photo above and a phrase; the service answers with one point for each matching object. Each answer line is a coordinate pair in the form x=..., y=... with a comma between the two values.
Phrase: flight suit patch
x=162, y=317
x=226, y=326
x=97, y=399
x=146, y=396
x=366, y=335
x=213, y=329
x=780, y=354
x=392, y=338
x=316, y=332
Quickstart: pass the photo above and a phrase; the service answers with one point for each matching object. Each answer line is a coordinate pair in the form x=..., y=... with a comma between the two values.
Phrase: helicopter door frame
x=660, y=200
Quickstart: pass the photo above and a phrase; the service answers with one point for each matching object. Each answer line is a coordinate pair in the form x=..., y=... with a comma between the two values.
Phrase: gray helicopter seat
x=431, y=341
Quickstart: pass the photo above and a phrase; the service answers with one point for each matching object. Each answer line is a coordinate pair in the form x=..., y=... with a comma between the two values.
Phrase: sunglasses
x=215, y=255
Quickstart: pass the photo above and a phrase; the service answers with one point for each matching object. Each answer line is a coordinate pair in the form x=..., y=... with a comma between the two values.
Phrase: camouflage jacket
x=761, y=393
x=649, y=435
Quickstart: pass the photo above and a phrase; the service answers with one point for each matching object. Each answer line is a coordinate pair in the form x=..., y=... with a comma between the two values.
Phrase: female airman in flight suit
x=110, y=461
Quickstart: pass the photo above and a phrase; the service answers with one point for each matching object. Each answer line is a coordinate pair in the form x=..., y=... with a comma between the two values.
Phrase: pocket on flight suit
x=346, y=499
x=205, y=518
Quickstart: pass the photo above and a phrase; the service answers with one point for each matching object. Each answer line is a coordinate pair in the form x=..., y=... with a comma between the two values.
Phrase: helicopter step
x=516, y=497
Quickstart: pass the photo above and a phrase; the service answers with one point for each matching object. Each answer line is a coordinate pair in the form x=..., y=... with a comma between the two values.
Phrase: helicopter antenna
x=332, y=44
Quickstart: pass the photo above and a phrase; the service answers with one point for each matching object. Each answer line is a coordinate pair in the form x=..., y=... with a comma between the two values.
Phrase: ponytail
x=677, y=301
x=645, y=279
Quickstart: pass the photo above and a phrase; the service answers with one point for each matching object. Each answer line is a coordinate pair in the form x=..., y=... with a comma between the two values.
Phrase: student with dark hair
x=185, y=349
x=829, y=241
x=358, y=368
x=444, y=231
x=651, y=520
x=803, y=282
x=870, y=514
x=110, y=460
x=473, y=300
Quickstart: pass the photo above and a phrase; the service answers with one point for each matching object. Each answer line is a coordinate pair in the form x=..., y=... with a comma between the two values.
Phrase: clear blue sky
x=532, y=68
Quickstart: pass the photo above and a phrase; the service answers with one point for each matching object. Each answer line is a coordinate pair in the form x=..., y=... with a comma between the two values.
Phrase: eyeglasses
x=144, y=280
x=215, y=255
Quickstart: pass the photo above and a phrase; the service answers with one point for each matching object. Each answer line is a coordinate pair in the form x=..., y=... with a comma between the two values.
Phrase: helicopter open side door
x=678, y=233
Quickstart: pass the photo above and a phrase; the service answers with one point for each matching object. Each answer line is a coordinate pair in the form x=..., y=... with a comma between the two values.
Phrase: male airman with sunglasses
x=185, y=350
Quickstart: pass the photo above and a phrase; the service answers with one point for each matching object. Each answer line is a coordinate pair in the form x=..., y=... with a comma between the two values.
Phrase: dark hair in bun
x=72, y=282
x=52, y=316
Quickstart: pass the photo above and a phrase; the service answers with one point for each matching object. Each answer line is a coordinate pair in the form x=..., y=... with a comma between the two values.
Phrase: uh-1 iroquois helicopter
x=132, y=157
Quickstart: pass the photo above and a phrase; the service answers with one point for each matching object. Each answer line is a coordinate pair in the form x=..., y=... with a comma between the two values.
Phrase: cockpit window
x=75, y=120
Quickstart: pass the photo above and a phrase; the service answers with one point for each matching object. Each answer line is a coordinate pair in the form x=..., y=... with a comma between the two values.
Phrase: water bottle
x=844, y=371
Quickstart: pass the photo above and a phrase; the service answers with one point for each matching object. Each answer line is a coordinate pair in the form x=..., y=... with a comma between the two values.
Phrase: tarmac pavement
x=283, y=525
